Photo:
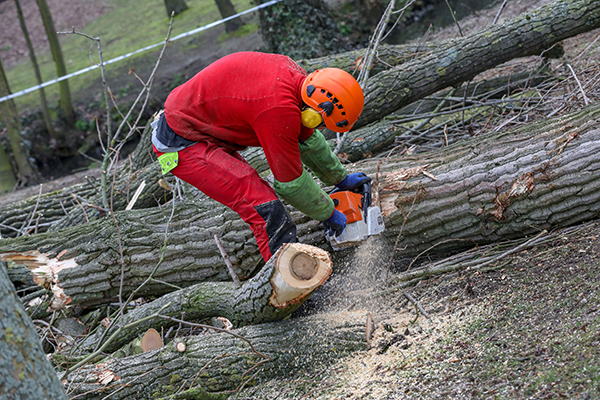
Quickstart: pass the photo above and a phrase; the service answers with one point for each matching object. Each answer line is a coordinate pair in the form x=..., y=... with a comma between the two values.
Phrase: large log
x=390, y=56
x=525, y=35
x=497, y=186
x=220, y=362
x=275, y=292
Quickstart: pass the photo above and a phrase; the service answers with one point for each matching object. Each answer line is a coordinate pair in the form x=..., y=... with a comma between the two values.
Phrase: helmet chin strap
x=311, y=118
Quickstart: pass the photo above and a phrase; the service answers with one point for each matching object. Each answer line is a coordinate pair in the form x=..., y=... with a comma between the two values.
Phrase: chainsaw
x=364, y=220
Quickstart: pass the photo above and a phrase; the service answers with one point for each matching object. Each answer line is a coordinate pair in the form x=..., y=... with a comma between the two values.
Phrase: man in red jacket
x=266, y=100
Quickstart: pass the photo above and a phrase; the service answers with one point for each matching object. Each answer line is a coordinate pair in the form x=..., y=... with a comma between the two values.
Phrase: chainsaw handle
x=367, y=197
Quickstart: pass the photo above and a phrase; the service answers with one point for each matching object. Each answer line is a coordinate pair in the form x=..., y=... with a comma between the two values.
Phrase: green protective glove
x=306, y=196
x=316, y=154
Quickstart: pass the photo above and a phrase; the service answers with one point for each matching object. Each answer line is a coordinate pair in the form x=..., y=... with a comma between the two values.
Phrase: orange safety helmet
x=336, y=95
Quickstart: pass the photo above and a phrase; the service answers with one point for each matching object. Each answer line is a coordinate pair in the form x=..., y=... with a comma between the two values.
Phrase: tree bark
x=226, y=9
x=65, y=93
x=274, y=293
x=493, y=187
x=38, y=75
x=175, y=7
x=26, y=373
x=528, y=34
x=220, y=362
x=7, y=177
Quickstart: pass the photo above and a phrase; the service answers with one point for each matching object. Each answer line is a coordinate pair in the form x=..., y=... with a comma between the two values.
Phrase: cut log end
x=303, y=266
x=180, y=346
x=299, y=270
x=151, y=340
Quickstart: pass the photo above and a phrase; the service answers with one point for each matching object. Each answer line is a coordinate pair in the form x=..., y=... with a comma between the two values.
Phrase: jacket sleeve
x=306, y=196
x=317, y=155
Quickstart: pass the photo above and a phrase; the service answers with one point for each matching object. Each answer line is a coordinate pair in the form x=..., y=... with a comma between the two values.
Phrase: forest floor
x=524, y=327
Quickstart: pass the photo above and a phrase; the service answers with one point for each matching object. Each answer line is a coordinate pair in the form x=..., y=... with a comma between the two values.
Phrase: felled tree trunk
x=527, y=34
x=493, y=187
x=79, y=203
x=276, y=291
x=219, y=362
x=26, y=373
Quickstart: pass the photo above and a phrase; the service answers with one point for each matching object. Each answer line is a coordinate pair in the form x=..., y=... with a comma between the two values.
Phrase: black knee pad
x=278, y=223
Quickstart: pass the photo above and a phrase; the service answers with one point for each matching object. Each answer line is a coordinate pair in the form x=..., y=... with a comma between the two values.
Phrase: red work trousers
x=225, y=176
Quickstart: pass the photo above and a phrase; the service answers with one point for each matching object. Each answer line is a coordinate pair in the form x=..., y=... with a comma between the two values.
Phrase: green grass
x=128, y=26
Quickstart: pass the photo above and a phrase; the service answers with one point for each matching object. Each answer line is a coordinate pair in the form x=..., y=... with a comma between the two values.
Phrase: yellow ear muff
x=311, y=118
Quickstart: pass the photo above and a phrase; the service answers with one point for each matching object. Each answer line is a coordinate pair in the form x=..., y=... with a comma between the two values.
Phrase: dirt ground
x=65, y=14
x=525, y=327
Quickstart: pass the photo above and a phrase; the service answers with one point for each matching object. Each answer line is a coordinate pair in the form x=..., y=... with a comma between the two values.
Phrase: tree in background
x=10, y=117
x=175, y=6
x=227, y=9
x=36, y=68
x=7, y=178
x=301, y=29
x=65, y=93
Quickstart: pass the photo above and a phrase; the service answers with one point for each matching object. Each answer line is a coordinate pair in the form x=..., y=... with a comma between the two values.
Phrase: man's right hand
x=337, y=222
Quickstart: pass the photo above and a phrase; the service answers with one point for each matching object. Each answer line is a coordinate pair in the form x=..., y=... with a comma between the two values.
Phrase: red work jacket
x=243, y=100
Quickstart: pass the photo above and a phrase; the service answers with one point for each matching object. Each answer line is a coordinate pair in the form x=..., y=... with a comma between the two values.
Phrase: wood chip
x=370, y=328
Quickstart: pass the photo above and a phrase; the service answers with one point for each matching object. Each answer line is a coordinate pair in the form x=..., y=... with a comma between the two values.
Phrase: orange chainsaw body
x=349, y=204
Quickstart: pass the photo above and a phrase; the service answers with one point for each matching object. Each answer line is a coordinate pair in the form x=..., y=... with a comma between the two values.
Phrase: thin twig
x=234, y=277
x=499, y=12
x=454, y=18
x=415, y=302
x=585, y=98
x=37, y=203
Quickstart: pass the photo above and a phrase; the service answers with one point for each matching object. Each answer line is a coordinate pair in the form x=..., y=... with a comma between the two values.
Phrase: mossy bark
x=26, y=373
x=12, y=122
x=66, y=105
x=7, y=177
x=218, y=362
